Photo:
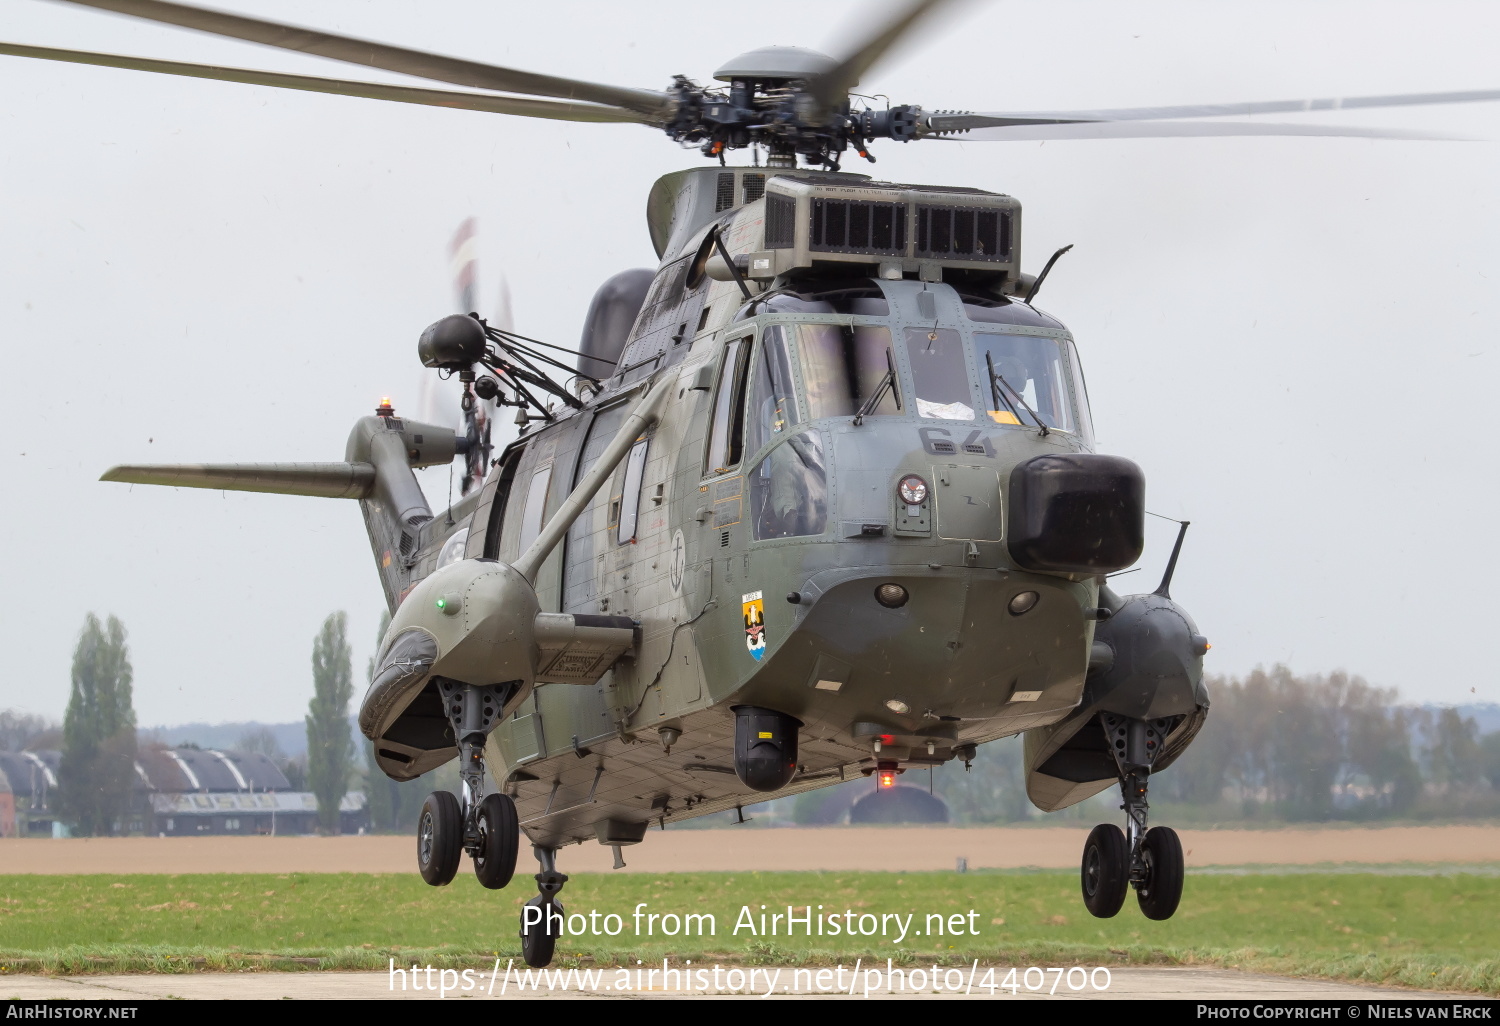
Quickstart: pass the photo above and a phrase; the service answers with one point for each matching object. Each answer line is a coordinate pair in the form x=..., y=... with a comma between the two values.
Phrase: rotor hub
x=776, y=64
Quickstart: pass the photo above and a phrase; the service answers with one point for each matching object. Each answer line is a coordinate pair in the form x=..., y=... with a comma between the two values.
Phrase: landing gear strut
x=1148, y=859
x=542, y=917
x=484, y=826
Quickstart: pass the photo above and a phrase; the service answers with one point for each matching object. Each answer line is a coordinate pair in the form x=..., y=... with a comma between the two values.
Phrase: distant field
x=1432, y=931
x=842, y=849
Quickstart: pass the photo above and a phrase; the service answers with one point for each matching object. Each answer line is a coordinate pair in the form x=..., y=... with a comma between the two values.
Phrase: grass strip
x=1439, y=932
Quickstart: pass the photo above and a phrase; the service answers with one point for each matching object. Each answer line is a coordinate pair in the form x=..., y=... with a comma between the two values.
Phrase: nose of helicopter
x=930, y=492
x=961, y=643
x=958, y=573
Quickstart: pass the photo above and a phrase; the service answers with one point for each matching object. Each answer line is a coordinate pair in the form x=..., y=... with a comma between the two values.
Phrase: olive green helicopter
x=816, y=498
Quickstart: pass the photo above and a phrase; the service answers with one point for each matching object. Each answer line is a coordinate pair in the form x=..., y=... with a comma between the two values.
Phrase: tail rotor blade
x=463, y=252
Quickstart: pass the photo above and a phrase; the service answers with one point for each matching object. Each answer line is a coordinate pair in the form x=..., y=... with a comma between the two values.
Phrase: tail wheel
x=1162, y=852
x=440, y=838
x=499, y=840
x=1106, y=870
x=539, y=939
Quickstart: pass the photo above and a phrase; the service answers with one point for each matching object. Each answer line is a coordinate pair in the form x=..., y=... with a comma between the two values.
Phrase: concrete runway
x=1125, y=982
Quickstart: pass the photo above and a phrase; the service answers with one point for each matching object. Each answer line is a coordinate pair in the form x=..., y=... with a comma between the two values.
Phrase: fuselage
x=749, y=531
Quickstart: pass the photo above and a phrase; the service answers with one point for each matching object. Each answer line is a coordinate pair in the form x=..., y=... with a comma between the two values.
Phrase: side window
x=789, y=489
x=772, y=403
x=630, y=493
x=1081, y=396
x=500, y=511
x=536, y=506
x=726, y=433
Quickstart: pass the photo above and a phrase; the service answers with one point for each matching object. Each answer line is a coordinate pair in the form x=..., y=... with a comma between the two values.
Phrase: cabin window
x=939, y=374
x=536, y=506
x=630, y=494
x=726, y=433
x=789, y=489
x=1029, y=371
x=500, y=503
x=772, y=403
x=843, y=366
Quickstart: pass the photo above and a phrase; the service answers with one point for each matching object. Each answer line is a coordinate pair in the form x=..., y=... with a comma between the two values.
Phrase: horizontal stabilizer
x=322, y=480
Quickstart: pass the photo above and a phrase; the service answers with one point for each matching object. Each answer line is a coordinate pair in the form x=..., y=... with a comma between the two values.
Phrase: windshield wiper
x=1000, y=400
x=997, y=379
x=887, y=382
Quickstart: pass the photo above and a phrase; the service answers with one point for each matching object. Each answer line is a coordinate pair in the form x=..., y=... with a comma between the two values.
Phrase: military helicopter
x=818, y=498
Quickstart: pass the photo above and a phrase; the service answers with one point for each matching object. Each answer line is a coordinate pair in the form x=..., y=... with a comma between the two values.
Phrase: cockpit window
x=843, y=366
x=1029, y=371
x=939, y=374
x=726, y=438
x=773, y=399
x=789, y=490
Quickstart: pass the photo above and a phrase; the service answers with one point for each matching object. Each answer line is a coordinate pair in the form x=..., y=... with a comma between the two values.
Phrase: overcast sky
x=1295, y=338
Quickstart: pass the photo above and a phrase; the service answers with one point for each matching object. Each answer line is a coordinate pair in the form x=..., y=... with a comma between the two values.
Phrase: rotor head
x=777, y=64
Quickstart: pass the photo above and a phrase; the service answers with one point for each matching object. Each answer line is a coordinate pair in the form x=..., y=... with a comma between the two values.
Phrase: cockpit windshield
x=844, y=367
x=802, y=372
x=939, y=373
x=1033, y=379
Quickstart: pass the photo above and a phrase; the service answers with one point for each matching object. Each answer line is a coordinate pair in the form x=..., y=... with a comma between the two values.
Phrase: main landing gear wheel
x=499, y=840
x=1106, y=870
x=539, y=938
x=440, y=838
x=1161, y=890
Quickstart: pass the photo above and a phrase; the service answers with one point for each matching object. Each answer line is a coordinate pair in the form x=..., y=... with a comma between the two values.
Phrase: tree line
x=1276, y=746
x=1287, y=747
x=98, y=742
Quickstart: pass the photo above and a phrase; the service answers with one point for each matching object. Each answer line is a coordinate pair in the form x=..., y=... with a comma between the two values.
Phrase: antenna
x=1036, y=286
x=1166, y=578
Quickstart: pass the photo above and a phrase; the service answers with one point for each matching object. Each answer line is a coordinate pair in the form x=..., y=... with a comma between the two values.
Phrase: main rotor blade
x=522, y=107
x=832, y=87
x=1175, y=130
x=954, y=122
x=386, y=57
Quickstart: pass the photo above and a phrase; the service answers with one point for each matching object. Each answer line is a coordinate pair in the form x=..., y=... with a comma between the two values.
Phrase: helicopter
x=610, y=621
